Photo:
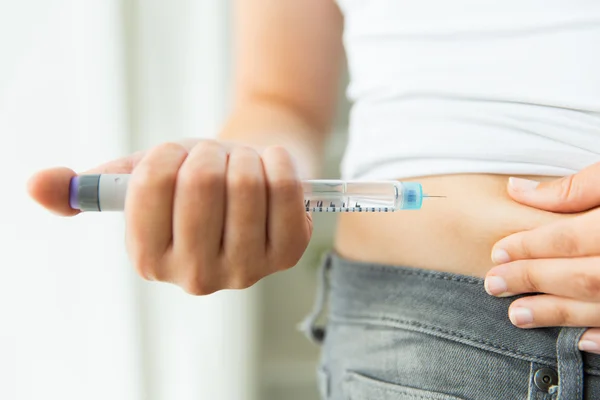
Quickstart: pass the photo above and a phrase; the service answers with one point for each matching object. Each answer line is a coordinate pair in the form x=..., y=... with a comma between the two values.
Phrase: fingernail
x=522, y=185
x=500, y=256
x=495, y=285
x=521, y=316
x=589, y=346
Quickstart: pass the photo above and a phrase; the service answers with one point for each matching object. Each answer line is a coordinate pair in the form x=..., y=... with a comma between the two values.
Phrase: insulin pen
x=106, y=192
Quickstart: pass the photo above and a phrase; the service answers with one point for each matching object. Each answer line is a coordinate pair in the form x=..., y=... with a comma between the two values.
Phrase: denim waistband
x=443, y=304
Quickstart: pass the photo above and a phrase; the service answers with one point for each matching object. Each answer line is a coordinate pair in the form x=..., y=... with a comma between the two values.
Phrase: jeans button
x=544, y=378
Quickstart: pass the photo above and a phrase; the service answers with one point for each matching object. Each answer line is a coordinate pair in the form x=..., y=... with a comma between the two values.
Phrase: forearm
x=288, y=57
x=266, y=122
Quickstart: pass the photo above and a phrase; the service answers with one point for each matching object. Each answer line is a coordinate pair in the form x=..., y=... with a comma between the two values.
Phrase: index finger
x=575, y=237
x=572, y=193
x=50, y=187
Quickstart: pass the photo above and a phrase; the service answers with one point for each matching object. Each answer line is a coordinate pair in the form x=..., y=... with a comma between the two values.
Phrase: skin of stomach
x=453, y=234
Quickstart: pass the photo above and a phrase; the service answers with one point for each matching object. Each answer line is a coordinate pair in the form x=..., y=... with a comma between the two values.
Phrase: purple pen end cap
x=74, y=193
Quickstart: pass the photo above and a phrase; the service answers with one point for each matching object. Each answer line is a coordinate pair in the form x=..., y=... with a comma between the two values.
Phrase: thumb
x=50, y=187
x=572, y=193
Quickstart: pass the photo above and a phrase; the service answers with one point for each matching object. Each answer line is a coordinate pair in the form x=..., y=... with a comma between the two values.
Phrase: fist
x=203, y=215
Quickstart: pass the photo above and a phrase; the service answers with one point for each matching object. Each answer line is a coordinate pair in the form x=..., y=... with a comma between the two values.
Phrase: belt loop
x=570, y=364
x=316, y=334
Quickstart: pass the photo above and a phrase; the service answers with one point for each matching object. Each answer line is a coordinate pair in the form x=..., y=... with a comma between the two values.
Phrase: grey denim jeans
x=394, y=332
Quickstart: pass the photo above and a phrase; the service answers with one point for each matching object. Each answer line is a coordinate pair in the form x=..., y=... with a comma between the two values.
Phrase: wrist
x=261, y=124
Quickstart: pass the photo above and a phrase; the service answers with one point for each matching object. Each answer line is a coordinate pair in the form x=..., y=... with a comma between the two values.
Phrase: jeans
x=394, y=332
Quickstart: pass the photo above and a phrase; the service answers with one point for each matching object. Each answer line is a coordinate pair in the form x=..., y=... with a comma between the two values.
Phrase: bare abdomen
x=453, y=234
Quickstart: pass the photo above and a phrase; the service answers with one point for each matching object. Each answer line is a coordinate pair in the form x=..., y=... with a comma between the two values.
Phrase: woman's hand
x=203, y=215
x=561, y=261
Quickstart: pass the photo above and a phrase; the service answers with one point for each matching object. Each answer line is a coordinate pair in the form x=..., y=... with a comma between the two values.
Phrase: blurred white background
x=82, y=82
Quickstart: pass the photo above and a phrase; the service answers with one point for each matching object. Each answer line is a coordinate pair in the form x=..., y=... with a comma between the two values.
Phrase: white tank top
x=472, y=86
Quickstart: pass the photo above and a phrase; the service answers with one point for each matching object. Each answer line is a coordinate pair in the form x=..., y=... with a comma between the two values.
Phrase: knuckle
x=520, y=245
x=168, y=148
x=567, y=189
x=277, y=158
x=278, y=152
x=562, y=316
x=287, y=258
x=530, y=279
x=198, y=284
x=244, y=156
x=244, y=269
x=525, y=248
x=243, y=151
x=146, y=268
x=156, y=169
x=290, y=260
x=209, y=145
x=293, y=254
x=200, y=276
x=164, y=151
x=286, y=262
x=196, y=288
x=565, y=242
x=588, y=283
x=145, y=272
x=244, y=159
x=244, y=279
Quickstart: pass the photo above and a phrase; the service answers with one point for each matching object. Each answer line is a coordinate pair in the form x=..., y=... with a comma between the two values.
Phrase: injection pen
x=107, y=192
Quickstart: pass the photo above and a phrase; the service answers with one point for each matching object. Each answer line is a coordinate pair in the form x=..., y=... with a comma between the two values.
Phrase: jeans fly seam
x=448, y=334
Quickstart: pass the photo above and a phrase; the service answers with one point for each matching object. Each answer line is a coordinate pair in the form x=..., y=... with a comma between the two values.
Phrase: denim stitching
x=516, y=353
x=592, y=370
x=398, y=390
x=432, y=275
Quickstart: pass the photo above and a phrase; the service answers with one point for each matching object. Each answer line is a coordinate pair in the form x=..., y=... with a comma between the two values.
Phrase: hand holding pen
x=183, y=228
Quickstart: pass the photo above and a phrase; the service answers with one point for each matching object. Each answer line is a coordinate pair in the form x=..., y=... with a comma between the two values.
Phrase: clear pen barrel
x=357, y=196
x=107, y=192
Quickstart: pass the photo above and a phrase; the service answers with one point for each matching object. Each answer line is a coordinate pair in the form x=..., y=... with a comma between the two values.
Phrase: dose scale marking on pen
x=106, y=192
